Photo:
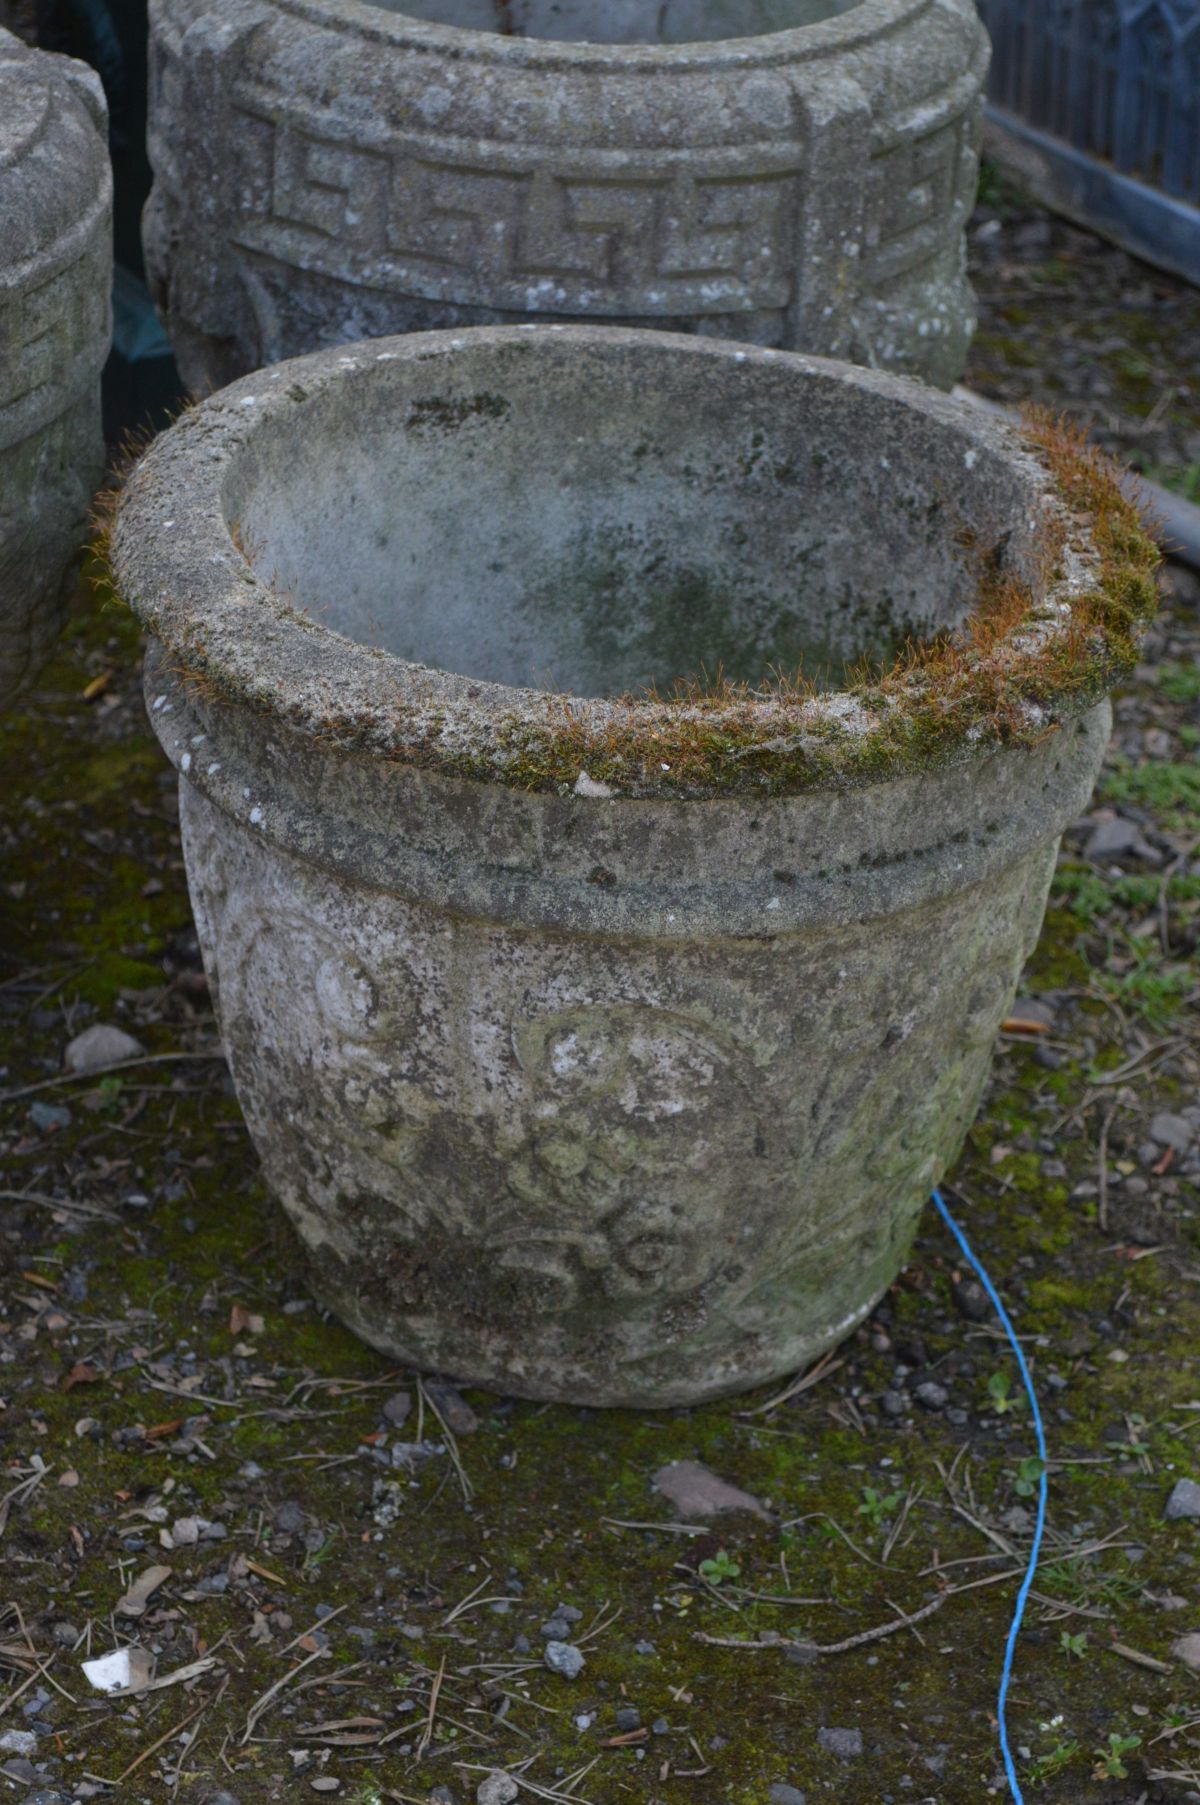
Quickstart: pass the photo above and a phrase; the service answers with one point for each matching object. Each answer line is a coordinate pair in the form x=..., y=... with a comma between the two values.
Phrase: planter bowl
x=55, y=278
x=788, y=172
x=604, y=1044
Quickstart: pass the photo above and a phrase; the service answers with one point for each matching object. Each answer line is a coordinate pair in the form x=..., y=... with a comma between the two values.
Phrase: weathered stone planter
x=55, y=278
x=608, y=1049
x=788, y=172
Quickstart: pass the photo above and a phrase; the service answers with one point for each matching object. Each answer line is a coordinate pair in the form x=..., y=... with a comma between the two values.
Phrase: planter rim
x=178, y=562
x=869, y=19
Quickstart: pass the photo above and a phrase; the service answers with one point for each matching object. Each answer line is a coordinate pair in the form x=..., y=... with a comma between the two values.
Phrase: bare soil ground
x=355, y=1564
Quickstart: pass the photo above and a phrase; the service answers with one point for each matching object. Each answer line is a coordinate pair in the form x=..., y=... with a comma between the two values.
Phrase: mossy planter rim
x=179, y=563
x=841, y=31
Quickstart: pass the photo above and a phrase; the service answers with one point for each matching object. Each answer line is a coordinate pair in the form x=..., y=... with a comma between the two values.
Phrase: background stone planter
x=55, y=278
x=327, y=170
x=602, y=1049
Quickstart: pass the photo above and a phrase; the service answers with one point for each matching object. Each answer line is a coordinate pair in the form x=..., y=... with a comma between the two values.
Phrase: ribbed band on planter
x=624, y=1091
x=798, y=174
x=55, y=322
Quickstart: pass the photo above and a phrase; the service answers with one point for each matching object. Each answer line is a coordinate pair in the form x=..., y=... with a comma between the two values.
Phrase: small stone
x=290, y=1518
x=1118, y=839
x=697, y=1492
x=1185, y=1649
x=49, y=1117
x=497, y=1789
x=441, y=1795
x=326, y=1783
x=221, y=1797
x=452, y=1407
x=18, y=1742
x=556, y=1629
x=957, y=1418
x=1184, y=1501
x=783, y=1794
x=1172, y=1131
x=590, y=786
x=629, y=1718
x=564, y=1658
x=893, y=1403
x=660, y=1727
x=100, y=1046
x=396, y=1409
x=845, y=1744
x=971, y=1300
x=932, y=1396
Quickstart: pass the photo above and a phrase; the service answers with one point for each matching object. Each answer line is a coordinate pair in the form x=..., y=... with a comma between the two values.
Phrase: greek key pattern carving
x=919, y=190
x=495, y=228
x=53, y=338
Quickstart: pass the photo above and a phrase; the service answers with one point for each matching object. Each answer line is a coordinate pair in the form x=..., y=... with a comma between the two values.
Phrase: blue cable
x=1035, y=1551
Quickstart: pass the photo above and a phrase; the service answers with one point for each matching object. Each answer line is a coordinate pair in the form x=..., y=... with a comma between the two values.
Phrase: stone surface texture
x=787, y=172
x=621, y=1099
x=55, y=278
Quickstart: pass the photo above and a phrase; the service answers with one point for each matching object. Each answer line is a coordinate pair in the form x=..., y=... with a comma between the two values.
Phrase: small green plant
x=1151, y=986
x=110, y=1093
x=1048, y=1766
x=1180, y=682
x=1168, y=787
x=1075, y=1646
x=1001, y=1393
x=1184, y=479
x=720, y=1567
x=316, y=1557
x=1110, y=1763
x=1029, y=1476
x=876, y=1506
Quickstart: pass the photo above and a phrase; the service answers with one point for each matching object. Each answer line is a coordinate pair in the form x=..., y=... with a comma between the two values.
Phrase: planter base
x=574, y=1168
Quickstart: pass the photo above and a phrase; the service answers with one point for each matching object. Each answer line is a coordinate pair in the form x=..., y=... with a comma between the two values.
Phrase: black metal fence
x=1097, y=103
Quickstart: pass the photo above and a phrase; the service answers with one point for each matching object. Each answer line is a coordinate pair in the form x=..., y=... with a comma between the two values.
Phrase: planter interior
x=625, y=21
x=596, y=530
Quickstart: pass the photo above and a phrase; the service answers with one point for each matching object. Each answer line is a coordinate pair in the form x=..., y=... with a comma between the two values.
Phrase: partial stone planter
x=785, y=172
x=598, y=1048
x=55, y=325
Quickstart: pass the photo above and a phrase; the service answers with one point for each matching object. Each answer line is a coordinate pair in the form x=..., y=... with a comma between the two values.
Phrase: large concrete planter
x=787, y=172
x=607, y=1049
x=55, y=279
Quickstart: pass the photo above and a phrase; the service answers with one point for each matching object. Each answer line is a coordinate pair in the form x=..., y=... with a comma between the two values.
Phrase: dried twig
x=427, y=1732
x=1102, y=1169
x=804, y=1382
x=468, y=1490
x=122, y=1065
x=265, y=1700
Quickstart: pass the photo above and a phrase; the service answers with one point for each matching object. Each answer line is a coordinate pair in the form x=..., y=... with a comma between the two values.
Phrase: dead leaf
x=264, y=1572
x=69, y=1478
x=82, y=1374
x=158, y=1430
x=696, y=1492
x=245, y=1322
x=97, y=686
x=1020, y=1024
x=140, y=1592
